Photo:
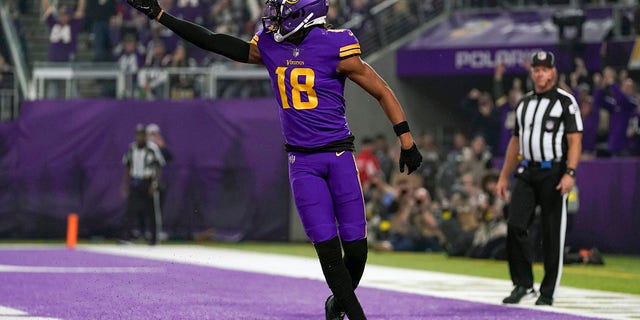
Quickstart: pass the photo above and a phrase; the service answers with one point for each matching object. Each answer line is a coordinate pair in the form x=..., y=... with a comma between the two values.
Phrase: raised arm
x=363, y=75
x=80, y=9
x=223, y=44
x=47, y=8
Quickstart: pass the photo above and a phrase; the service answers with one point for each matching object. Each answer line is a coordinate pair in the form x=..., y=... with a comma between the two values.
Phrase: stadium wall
x=227, y=179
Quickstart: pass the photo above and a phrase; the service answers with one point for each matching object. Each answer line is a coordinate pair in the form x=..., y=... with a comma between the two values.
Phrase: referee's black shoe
x=518, y=293
x=544, y=301
x=332, y=309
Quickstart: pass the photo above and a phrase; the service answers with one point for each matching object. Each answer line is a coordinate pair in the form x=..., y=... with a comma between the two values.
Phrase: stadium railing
x=205, y=82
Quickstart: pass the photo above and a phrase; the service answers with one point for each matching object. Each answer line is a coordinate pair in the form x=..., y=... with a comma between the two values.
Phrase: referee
x=545, y=148
x=141, y=180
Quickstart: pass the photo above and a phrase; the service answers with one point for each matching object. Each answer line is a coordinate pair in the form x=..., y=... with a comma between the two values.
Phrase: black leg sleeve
x=355, y=258
x=338, y=278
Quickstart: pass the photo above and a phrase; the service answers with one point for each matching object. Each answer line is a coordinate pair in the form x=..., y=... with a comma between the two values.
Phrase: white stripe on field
x=42, y=269
x=7, y=313
x=583, y=302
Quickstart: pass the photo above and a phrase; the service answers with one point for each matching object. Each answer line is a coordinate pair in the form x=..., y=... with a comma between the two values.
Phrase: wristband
x=401, y=128
x=571, y=172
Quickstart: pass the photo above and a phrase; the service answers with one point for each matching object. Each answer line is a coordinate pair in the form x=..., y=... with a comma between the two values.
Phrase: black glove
x=149, y=7
x=411, y=158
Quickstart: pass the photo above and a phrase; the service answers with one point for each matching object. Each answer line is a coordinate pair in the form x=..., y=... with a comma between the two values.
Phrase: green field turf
x=619, y=274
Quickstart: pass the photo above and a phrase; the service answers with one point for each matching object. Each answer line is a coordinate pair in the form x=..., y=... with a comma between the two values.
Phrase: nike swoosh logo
x=339, y=153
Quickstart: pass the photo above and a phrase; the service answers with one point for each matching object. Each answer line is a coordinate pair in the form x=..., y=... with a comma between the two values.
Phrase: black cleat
x=518, y=293
x=544, y=301
x=331, y=309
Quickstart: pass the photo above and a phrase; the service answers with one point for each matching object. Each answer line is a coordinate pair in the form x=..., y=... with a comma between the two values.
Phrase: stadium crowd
x=118, y=33
x=449, y=206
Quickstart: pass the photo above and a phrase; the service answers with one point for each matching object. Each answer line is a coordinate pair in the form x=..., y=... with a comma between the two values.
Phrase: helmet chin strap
x=305, y=23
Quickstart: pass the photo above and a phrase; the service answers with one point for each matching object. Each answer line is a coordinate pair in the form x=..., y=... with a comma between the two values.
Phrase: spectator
x=476, y=159
x=580, y=75
x=468, y=187
x=431, y=235
x=620, y=102
x=387, y=165
x=459, y=226
x=129, y=20
x=154, y=135
x=379, y=197
x=65, y=26
x=449, y=171
x=483, y=116
x=508, y=118
x=130, y=57
x=489, y=240
x=182, y=85
x=366, y=161
x=99, y=14
x=402, y=232
x=506, y=108
x=412, y=226
x=590, y=119
x=431, y=161
x=152, y=79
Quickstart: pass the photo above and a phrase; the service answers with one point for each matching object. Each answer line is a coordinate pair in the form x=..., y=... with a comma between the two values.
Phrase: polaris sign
x=482, y=59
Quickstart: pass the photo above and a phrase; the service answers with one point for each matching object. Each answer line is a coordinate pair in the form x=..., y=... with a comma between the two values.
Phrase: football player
x=308, y=64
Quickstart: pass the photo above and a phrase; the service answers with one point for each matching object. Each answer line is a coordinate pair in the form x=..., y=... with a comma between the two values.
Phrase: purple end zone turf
x=172, y=290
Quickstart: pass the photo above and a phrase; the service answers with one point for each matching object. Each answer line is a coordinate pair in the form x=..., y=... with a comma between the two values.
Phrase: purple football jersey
x=63, y=38
x=307, y=86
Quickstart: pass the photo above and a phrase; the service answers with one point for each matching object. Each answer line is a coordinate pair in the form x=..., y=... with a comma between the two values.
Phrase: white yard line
x=7, y=313
x=583, y=302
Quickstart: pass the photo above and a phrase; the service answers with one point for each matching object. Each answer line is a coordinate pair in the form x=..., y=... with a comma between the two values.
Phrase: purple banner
x=475, y=43
x=609, y=214
x=609, y=210
x=228, y=174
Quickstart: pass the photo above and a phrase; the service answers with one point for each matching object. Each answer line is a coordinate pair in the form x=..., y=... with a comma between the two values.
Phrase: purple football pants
x=326, y=190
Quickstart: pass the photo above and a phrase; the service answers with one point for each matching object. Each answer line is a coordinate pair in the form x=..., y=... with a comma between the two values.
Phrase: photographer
x=412, y=225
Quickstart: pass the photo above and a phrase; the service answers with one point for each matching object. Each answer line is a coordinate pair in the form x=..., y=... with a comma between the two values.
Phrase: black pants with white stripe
x=537, y=186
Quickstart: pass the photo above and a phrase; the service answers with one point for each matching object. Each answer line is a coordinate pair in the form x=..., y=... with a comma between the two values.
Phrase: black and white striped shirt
x=542, y=121
x=143, y=162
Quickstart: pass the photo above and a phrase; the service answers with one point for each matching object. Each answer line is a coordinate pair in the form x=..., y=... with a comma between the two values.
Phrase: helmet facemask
x=286, y=17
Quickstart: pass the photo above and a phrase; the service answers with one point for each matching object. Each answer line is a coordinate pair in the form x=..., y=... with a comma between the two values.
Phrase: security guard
x=545, y=148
